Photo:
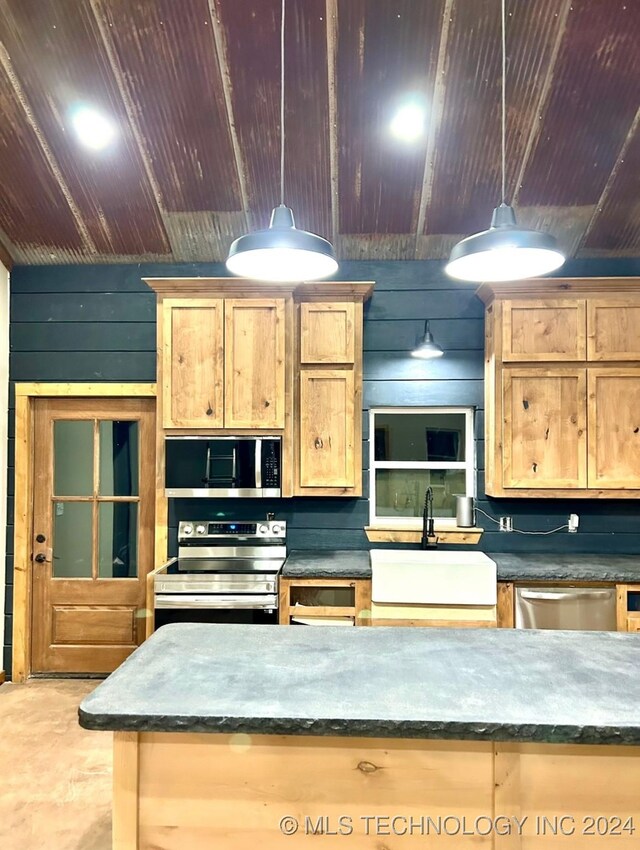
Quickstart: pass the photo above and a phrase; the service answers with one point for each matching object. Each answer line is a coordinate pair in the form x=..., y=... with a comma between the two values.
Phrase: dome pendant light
x=282, y=252
x=505, y=251
x=427, y=348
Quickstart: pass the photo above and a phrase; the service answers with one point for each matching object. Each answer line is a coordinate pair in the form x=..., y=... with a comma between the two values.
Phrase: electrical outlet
x=573, y=522
x=506, y=523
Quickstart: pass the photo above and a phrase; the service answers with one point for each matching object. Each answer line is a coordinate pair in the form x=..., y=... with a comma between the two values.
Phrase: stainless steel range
x=225, y=572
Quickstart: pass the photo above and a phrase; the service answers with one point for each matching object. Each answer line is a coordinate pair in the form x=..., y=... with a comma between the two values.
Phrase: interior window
x=416, y=448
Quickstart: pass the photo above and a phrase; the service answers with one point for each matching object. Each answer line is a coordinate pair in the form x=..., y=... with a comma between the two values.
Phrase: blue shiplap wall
x=97, y=323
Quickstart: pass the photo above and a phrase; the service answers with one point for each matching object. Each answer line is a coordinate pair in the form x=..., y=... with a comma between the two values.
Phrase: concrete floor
x=55, y=778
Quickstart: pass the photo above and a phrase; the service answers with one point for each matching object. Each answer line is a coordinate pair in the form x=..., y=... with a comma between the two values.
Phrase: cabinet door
x=614, y=428
x=254, y=359
x=613, y=329
x=327, y=428
x=546, y=330
x=545, y=443
x=327, y=332
x=192, y=363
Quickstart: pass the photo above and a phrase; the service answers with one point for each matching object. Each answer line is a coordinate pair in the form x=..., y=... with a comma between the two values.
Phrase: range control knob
x=263, y=529
x=201, y=529
x=276, y=529
x=187, y=529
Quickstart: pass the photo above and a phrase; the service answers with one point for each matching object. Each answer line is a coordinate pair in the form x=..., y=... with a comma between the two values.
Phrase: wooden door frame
x=26, y=394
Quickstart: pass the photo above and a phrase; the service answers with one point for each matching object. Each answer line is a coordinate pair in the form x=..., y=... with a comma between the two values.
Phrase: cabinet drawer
x=544, y=330
x=613, y=329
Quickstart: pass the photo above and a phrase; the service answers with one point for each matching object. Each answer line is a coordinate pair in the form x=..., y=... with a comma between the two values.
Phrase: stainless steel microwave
x=214, y=467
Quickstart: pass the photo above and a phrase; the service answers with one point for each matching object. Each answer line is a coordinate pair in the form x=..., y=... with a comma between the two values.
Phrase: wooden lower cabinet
x=627, y=620
x=200, y=791
x=315, y=598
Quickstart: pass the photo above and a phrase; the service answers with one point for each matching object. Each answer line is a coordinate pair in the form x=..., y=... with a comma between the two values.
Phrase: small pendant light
x=505, y=251
x=282, y=252
x=427, y=348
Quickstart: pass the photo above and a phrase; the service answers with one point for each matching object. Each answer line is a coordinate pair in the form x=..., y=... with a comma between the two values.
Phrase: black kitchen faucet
x=429, y=539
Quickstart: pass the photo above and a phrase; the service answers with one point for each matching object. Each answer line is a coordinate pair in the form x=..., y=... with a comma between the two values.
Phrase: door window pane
x=420, y=437
x=118, y=540
x=72, y=539
x=73, y=457
x=118, y=458
x=400, y=492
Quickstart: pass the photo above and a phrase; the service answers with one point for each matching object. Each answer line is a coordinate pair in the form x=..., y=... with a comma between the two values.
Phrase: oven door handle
x=211, y=600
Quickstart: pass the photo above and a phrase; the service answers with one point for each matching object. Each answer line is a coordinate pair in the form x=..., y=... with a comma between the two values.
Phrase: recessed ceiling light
x=408, y=122
x=94, y=129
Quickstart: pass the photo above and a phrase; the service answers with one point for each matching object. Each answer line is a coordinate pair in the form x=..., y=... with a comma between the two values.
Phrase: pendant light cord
x=504, y=99
x=282, y=106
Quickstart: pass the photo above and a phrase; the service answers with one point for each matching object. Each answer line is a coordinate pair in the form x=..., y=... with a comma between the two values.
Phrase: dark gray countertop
x=345, y=563
x=355, y=563
x=624, y=568
x=474, y=684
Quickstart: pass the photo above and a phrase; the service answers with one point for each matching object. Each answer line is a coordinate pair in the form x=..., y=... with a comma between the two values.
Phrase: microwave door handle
x=234, y=476
x=207, y=472
x=258, y=463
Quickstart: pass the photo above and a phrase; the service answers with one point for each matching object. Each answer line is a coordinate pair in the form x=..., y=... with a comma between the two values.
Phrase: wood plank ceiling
x=193, y=88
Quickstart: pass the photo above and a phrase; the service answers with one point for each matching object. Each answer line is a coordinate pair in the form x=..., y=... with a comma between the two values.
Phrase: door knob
x=40, y=558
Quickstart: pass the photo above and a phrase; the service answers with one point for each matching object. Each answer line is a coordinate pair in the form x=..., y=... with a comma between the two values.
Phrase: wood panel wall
x=97, y=323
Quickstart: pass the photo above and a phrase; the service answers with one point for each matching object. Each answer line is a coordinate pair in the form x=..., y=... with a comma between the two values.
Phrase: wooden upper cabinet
x=543, y=330
x=613, y=329
x=545, y=440
x=254, y=363
x=328, y=429
x=327, y=332
x=614, y=428
x=193, y=363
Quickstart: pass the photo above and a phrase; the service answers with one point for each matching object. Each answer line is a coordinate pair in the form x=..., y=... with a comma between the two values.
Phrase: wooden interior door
x=192, y=362
x=254, y=368
x=327, y=429
x=614, y=428
x=93, y=526
x=545, y=428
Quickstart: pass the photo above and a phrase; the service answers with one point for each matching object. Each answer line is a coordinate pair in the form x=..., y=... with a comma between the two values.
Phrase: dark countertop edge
x=362, y=728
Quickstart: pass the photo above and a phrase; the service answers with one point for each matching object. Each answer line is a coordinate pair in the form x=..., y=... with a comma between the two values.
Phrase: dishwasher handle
x=574, y=593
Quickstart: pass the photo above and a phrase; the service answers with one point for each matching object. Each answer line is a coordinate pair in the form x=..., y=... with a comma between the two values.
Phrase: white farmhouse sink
x=432, y=577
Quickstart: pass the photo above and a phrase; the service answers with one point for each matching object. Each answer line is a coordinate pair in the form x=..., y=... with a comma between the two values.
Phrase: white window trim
x=470, y=465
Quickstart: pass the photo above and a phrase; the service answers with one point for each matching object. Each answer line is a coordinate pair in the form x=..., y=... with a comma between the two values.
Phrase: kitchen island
x=243, y=736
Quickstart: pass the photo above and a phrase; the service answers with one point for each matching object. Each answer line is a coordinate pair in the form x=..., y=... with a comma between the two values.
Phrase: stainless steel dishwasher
x=562, y=607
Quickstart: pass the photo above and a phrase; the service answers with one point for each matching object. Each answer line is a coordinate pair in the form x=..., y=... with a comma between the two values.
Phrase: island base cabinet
x=196, y=790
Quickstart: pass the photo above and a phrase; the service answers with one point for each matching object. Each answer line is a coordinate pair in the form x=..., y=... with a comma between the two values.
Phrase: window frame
x=469, y=465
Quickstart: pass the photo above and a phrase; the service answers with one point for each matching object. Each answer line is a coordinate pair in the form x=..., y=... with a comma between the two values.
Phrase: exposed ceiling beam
x=437, y=110
x=6, y=63
x=545, y=91
x=332, y=54
x=101, y=17
x=223, y=65
x=635, y=128
x=5, y=257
